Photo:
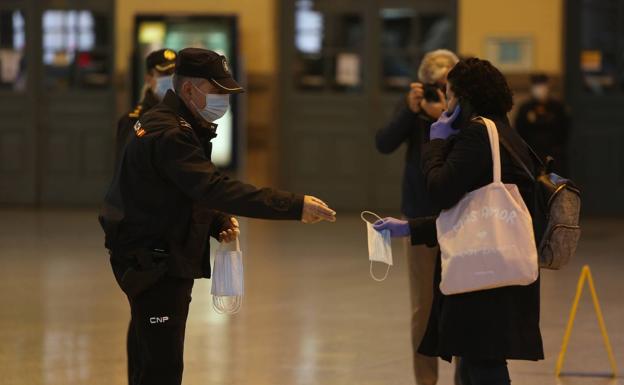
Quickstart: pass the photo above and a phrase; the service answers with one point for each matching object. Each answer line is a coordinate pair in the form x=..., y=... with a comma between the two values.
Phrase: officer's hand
x=315, y=210
x=434, y=109
x=415, y=97
x=231, y=234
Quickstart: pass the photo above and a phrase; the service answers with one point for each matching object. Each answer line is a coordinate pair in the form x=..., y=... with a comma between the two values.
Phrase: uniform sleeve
x=452, y=172
x=221, y=222
x=521, y=122
x=390, y=137
x=181, y=159
x=217, y=221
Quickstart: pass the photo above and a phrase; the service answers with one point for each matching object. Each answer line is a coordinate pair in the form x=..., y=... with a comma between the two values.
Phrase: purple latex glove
x=442, y=128
x=397, y=227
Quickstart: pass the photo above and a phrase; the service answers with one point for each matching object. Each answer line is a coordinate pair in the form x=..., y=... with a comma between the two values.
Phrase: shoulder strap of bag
x=515, y=155
x=517, y=158
x=493, y=136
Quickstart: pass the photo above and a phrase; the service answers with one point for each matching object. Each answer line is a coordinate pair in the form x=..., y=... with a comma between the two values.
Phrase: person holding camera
x=422, y=106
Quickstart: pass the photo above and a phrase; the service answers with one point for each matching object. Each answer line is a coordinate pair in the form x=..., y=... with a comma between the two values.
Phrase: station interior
x=321, y=78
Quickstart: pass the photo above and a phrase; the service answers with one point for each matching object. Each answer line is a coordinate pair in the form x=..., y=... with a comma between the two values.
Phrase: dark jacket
x=125, y=125
x=412, y=129
x=500, y=323
x=164, y=172
x=544, y=126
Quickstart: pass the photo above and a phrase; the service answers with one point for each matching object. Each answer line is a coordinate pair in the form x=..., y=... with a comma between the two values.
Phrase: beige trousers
x=421, y=267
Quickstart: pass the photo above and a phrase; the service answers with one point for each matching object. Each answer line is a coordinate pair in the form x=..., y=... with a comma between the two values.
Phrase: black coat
x=544, y=126
x=167, y=194
x=125, y=125
x=500, y=323
x=413, y=130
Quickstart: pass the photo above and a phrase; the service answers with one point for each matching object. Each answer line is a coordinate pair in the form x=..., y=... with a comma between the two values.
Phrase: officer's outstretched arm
x=180, y=158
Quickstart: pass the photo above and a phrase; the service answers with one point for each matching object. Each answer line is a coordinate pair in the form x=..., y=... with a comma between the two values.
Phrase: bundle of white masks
x=228, y=279
x=379, y=245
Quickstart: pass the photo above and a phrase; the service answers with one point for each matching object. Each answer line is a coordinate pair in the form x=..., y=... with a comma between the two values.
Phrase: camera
x=431, y=92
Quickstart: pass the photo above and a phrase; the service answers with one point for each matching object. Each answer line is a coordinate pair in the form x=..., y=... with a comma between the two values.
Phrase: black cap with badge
x=203, y=63
x=163, y=60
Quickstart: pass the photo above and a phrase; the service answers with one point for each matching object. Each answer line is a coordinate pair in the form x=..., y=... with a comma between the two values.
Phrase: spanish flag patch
x=138, y=130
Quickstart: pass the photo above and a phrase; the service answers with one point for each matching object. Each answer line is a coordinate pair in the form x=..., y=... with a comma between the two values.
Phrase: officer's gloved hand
x=442, y=129
x=315, y=210
x=397, y=227
x=231, y=234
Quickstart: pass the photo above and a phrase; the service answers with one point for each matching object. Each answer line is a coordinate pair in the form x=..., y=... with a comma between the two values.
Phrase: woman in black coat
x=485, y=328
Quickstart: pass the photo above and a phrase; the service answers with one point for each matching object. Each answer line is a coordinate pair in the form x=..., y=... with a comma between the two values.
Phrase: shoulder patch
x=184, y=123
x=138, y=130
x=136, y=112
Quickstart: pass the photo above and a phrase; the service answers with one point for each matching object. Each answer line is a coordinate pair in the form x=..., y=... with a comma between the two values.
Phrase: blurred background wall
x=322, y=76
x=540, y=20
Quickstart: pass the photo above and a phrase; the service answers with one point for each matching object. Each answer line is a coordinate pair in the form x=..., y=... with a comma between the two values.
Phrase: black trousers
x=155, y=341
x=483, y=372
x=156, y=333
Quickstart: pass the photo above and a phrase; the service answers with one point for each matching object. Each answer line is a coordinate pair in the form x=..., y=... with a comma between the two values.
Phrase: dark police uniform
x=162, y=62
x=544, y=125
x=155, y=233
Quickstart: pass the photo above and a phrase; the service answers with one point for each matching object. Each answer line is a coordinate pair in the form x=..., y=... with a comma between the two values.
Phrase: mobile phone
x=466, y=113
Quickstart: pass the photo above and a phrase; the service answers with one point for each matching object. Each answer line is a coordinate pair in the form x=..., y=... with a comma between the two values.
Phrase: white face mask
x=216, y=106
x=163, y=84
x=379, y=246
x=540, y=92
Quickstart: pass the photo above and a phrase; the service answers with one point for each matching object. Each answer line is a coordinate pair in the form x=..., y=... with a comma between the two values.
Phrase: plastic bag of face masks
x=228, y=279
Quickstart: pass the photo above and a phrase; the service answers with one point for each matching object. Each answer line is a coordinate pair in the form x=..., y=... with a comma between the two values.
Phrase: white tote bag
x=486, y=240
x=228, y=283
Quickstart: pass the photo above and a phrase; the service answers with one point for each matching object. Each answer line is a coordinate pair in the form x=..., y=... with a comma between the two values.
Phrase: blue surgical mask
x=216, y=106
x=163, y=84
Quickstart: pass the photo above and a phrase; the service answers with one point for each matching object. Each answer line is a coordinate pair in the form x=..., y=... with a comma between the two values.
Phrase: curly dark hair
x=482, y=85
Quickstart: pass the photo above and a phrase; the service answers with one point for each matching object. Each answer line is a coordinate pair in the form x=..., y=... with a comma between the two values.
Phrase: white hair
x=178, y=80
x=435, y=65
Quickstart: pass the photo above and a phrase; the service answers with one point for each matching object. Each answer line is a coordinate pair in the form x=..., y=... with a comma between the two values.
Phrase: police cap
x=162, y=60
x=539, y=78
x=203, y=63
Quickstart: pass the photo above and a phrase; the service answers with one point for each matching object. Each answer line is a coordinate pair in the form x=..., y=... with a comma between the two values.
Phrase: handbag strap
x=511, y=151
x=517, y=158
x=494, y=145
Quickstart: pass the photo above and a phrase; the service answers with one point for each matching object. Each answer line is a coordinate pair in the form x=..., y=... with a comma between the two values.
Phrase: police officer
x=156, y=236
x=543, y=122
x=159, y=67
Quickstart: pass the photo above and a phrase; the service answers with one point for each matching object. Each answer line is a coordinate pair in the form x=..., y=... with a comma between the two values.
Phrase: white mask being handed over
x=163, y=84
x=379, y=246
x=216, y=106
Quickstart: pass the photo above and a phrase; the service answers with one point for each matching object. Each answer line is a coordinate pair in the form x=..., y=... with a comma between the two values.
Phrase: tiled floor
x=311, y=315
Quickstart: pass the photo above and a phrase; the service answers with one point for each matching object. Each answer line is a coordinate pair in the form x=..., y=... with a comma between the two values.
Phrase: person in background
x=159, y=68
x=422, y=106
x=488, y=327
x=543, y=123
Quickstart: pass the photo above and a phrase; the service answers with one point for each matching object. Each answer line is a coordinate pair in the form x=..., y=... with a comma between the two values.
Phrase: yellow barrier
x=586, y=276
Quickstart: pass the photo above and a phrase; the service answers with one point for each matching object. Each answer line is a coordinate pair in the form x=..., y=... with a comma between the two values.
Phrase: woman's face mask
x=216, y=105
x=163, y=84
